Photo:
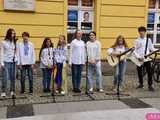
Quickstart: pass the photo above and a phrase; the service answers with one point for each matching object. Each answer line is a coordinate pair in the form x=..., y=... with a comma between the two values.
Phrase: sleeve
x=70, y=53
x=33, y=55
x=151, y=46
x=1, y=54
x=18, y=54
x=99, y=51
x=42, y=58
x=65, y=54
x=136, y=46
x=110, y=51
x=56, y=56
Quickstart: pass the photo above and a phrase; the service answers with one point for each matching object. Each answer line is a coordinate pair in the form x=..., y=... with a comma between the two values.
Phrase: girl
x=60, y=58
x=119, y=46
x=94, y=62
x=8, y=61
x=46, y=62
x=77, y=60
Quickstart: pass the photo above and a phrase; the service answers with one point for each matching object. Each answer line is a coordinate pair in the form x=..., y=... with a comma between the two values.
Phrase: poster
x=72, y=19
x=86, y=20
x=151, y=20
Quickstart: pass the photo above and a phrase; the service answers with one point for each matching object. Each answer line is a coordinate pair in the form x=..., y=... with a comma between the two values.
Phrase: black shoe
x=151, y=89
x=76, y=90
x=139, y=87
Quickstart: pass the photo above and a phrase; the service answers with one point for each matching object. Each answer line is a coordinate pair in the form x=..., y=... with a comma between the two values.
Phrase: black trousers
x=147, y=67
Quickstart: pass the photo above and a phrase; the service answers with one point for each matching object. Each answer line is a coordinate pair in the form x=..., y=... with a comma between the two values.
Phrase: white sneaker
x=91, y=90
x=12, y=93
x=3, y=94
x=101, y=90
x=62, y=92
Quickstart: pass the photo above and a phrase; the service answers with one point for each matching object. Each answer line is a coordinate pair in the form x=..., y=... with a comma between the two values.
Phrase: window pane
x=70, y=37
x=72, y=15
x=73, y=2
x=149, y=35
x=151, y=19
x=87, y=3
x=152, y=4
x=158, y=38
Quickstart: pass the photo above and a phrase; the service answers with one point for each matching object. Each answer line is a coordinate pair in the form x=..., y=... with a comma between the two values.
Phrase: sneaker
x=3, y=94
x=101, y=90
x=139, y=87
x=62, y=92
x=91, y=90
x=151, y=89
x=12, y=93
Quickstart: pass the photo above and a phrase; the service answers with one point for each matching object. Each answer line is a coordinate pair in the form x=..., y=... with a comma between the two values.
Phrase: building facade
x=50, y=18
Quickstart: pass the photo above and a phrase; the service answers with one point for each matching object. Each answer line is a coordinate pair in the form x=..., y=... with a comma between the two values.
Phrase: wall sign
x=19, y=5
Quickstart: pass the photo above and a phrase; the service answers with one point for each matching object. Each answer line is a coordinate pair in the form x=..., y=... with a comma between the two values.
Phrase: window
x=80, y=16
x=153, y=25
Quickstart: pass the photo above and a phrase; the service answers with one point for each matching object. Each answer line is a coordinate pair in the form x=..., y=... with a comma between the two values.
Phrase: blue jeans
x=76, y=75
x=9, y=73
x=91, y=69
x=26, y=69
x=47, y=72
x=119, y=73
x=58, y=79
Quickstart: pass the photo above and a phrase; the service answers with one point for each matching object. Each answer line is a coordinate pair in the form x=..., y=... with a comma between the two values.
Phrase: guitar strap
x=146, y=46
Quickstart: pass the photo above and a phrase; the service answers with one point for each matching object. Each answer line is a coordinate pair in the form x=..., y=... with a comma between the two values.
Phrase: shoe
x=77, y=90
x=12, y=93
x=3, y=94
x=62, y=92
x=139, y=87
x=91, y=91
x=101, y=90
x=151, y=89
x=30, y=93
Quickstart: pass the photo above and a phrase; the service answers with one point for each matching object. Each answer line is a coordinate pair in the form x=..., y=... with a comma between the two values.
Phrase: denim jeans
x=26, y=69
x=9, y=73
x=97, y=69
x=58, y=78
x=119, y=73
x=76, y=75
x=47, y=72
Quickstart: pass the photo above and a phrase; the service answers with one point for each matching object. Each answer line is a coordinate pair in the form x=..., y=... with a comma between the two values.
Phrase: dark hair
x=85, y=13
x=93, y=33
x=25, y=34
x=64, y=42
x=9, y=35
x=44, y=45
x=117, y=40
x=142, y=29
x=75, y=34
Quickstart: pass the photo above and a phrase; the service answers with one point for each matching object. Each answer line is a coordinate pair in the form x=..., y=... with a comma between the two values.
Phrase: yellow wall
x=49, y=20
x=120, y=17
x=112, y=17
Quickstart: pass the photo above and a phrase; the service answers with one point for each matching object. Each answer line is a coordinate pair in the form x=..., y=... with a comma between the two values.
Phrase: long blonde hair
x=117, y=42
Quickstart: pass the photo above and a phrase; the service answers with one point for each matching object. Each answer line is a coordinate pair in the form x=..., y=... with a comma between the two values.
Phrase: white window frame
x=81, y=8
x=156, y=11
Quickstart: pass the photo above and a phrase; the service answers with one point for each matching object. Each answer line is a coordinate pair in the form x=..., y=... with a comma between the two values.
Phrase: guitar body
x=136, y=61
x=113, y=60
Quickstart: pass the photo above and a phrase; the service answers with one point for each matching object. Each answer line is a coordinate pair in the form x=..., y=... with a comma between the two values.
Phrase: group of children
x=22, y=54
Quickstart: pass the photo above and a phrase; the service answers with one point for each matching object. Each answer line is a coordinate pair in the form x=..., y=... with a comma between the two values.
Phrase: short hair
x=25, y=34
x=93, y=32
x=142, y=29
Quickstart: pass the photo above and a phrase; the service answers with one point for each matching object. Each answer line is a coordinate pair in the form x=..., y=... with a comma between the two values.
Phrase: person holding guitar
x=143, y=46
x=119, y=47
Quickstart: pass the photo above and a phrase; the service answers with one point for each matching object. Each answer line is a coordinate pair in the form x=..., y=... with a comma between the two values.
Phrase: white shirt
x=94, y=50
x=140, y=45
x=47, y=57
x=61, y=54
x=28, y=59
x=77, y=52
x=8, y=52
